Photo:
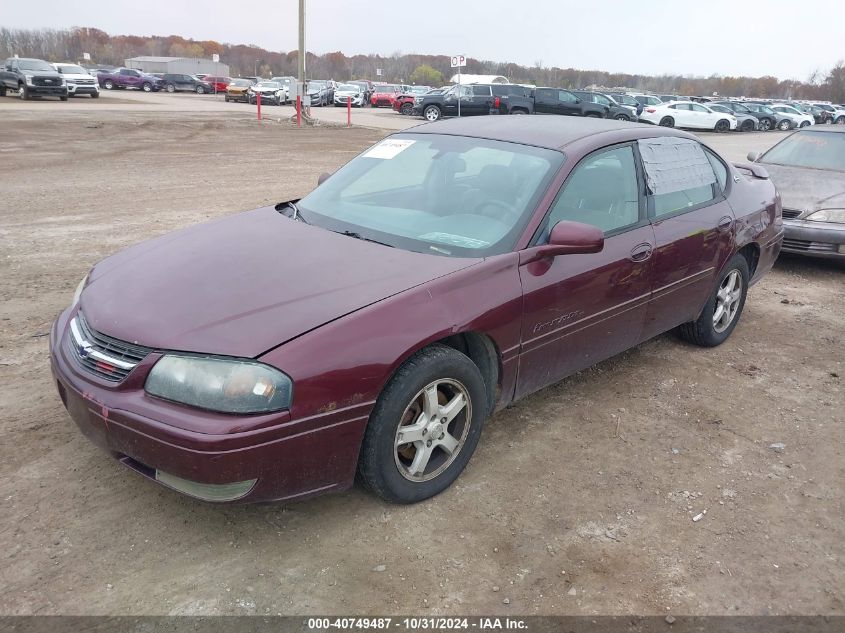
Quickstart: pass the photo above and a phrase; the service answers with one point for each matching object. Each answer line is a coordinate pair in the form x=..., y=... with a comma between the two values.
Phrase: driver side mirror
x=323, y=178
x=568, y=238
x=753, y=157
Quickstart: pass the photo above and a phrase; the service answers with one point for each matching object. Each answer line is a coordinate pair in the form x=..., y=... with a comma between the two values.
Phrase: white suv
x=79, y=81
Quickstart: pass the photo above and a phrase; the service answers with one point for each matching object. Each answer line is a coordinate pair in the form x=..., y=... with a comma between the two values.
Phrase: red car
x=374, y=325
x=218, y=84
x=384, y=95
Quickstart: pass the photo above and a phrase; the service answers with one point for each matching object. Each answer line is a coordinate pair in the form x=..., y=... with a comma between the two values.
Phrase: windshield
x=272, y=85
x=35, y=64
x=816, y=150
x=420, y=90
x=72, y=70
x=315, y=85
x=349, y=88
x=438, y=194
x=386, y=88
x=241, y=83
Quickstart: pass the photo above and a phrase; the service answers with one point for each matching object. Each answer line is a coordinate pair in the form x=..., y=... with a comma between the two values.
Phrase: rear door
x=480, y=101
x=581, y=309
x=693, y=227
x=545, y=101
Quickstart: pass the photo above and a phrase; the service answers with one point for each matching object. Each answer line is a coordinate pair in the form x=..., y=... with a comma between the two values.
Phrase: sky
x=633, y=36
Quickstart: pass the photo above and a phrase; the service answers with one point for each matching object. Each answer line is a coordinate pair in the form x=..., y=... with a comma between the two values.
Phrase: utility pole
x=302, y=46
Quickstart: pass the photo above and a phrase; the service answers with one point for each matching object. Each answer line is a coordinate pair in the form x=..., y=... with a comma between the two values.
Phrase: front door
x=581, y=309
x=693, y=227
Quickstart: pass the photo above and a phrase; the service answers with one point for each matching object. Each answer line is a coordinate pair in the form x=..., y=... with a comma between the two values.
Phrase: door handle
x=641, y=252
x=725, y=223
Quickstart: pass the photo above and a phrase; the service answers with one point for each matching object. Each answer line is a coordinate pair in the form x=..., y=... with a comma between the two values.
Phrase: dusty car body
x=808, y=168
x=405, y=315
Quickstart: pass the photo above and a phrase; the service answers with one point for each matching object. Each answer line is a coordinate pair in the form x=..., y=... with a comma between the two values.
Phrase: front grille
x=812, y=247
x=102, y=355
x=791, y=213
x=46, y=81
x=84, y=82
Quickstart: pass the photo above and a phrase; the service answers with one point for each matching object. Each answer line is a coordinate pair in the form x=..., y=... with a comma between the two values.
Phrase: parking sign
x=458, y=61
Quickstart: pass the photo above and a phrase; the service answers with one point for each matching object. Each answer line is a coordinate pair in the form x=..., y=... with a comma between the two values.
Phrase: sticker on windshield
x=389, y=148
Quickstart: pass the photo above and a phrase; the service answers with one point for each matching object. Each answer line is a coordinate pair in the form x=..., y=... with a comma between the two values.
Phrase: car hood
x=808, y=189
x=245, y=284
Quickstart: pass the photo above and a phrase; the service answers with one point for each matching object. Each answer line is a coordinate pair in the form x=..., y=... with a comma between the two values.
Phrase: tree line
x=112, y=50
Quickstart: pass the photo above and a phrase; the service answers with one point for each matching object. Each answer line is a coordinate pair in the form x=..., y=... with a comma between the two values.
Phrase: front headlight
x=828, y=215
x=78, y=292
x=220, y=384
x=29, y=80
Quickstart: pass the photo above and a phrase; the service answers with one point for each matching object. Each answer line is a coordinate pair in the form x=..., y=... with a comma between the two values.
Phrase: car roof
x=551, y=132
x=825, y=129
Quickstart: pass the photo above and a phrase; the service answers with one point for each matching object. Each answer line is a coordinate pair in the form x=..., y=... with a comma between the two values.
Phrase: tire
x=147, y=87
x=95, y=95
x=840, y=120
x=804, y=124
x=2, y=91
x=170, y=88
x=200, y=90
x=622, y=117
x=707, y=330
x=64, y=98
x=747, y=126
x=108, y=84
x=432, y=113
x=722, y=126
x=226, y=98
x=766, y=124
x=417, y=398
x=784, y=125
x=518, y=111
x=667, y=121
x=592, y=115
x=406, y=109
x=23, y=93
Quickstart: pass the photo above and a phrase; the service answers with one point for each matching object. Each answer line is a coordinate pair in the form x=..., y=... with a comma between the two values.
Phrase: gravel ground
x=579, y=500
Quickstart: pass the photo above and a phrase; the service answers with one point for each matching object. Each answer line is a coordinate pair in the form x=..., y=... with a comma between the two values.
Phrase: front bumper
x=47, y=91
x=87, y=89
x=816, y=239
x=356, y=101
x=288, y=459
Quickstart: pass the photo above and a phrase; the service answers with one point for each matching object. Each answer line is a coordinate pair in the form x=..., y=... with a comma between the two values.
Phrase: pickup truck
x=129, y=78
x=31, y=78
x=475, y=99
x=504, y=99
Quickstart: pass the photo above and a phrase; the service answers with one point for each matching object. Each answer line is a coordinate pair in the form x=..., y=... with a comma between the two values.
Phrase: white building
x=480, y=79
x=178, y=65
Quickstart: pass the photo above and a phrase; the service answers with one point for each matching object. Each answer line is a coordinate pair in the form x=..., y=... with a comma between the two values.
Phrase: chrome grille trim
x=102, y=355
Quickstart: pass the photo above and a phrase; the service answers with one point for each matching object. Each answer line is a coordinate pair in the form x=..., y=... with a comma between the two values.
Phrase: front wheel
x=840, y=120
x=170, y=88
x=723, y=309
x=722, y=126
x=95, y=95
x=747, y=125
x=63, y=98
x=406, y=109
x=200, y=90
x=765, y=124
x=432, y=113
x=23, y=93
x=804, y=123
x=784, y=125
x=622, y=117
x=147, y=87
x=424, y=427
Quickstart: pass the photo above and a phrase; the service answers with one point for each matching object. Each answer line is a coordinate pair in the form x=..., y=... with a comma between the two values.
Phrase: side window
x=679, y=173
x=481, y=91
x=566, y=96
x=545, y=94
x=601, y=99
x=718, y=168
x=697, y=108
x=602, y=191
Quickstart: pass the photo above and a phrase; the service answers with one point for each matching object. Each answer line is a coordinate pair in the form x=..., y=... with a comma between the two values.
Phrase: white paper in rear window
x=674, y=164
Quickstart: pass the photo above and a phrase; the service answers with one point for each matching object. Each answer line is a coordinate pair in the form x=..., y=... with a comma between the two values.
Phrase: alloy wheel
x=433, y=430
x=727, y=301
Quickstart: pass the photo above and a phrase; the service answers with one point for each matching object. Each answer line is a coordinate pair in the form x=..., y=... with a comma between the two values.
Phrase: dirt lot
x=579, y=500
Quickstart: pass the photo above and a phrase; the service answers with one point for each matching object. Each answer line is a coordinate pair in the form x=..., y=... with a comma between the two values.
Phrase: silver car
x=808, y=168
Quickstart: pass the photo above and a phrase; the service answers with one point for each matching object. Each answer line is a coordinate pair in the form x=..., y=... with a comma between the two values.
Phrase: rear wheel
x=723, y=309
x=424, y=427
x=766, y=124
x=432, y=113
x=723, y=126
x=108, y=84
x=667, y=121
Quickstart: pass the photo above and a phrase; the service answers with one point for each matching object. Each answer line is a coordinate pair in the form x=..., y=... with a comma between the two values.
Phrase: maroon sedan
x=375, y=324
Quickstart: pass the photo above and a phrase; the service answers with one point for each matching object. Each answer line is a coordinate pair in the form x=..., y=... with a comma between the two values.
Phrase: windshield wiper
x=297, y=214
x=358, y=236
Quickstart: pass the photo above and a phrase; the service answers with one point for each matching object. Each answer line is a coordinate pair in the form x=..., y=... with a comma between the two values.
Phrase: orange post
x=258, y=103
x=348, y=111
x=298, y=111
